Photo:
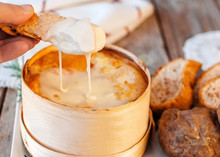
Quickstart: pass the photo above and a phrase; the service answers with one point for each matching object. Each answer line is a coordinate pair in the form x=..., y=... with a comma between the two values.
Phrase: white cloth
x=116, y=17
x=204, y=48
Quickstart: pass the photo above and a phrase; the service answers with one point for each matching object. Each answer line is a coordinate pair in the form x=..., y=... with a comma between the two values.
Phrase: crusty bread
x=210, y=73
x=209, y=94
x=172, y=85
x=189, y=133
x=36, y=27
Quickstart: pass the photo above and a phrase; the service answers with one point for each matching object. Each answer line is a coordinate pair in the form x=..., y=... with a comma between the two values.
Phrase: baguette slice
x=172, y=85
x=36, y=27
x=209, y=94
x=210, y=73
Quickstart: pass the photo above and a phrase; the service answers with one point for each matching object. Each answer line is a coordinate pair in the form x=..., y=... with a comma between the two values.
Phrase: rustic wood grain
x=213, y=13
x=181, y=19
x=2, y=96
x=7, y=122
x=217, y=3
x=146, y=42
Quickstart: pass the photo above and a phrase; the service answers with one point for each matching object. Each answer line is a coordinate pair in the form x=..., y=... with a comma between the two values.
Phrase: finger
x=15, y=47
x=15, y=14
x=9, y=40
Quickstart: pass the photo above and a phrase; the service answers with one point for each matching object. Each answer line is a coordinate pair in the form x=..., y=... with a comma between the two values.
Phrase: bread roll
x=210, y=73
x=209, y=94
x=172, y=85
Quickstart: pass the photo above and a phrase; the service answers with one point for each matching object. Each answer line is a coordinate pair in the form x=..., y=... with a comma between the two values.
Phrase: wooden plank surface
x=147, y=43
x=181, y=19
x=2, y=96
x=7, y=122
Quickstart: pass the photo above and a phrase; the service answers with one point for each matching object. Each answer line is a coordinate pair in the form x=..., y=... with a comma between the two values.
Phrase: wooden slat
x=212, y=8
x=7, y=123
x=146, y=42
x=181, y=19
x=2, y=95
x=217, y=3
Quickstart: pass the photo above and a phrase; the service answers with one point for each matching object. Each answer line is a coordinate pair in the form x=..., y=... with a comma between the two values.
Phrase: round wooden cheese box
x=53, y=129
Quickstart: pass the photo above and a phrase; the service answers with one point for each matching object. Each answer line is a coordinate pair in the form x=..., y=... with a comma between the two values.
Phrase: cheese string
x=61, y=73
x=88, y=69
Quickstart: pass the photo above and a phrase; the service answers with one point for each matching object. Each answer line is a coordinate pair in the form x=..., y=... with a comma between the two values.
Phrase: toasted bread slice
x=209, y=94
x=172, y=85
x=36, y=27
x=210, y=73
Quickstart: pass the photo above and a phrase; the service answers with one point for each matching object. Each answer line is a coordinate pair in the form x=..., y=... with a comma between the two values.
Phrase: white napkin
x=116, y=17
x=204, y=48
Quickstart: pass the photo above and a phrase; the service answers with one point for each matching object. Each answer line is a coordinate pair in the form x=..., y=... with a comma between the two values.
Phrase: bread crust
x=9, y=29
x=198, y=83
x=202, y=99
x=190, y=133
x=35, y=27
x=185, y=98
x=22, y=29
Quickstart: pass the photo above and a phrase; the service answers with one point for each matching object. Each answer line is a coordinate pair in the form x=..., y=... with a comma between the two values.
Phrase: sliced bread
x=36, y=27
x=210, y=73
x=172, y=85
x=209, y=94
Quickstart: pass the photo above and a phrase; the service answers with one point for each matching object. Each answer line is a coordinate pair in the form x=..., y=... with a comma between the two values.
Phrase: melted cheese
x=113, y=81
x=76, y=37
x=77, y=83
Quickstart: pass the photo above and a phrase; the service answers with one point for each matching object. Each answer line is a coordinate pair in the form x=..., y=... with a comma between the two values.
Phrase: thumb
x=15, y=14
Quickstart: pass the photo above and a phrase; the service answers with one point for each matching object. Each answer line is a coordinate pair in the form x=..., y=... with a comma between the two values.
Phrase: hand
x=13, y=47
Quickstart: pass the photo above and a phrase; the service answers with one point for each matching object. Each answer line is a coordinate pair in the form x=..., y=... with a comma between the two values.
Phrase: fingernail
x=27, y=8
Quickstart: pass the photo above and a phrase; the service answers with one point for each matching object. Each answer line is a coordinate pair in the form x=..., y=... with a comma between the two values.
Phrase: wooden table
x=161, y=37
